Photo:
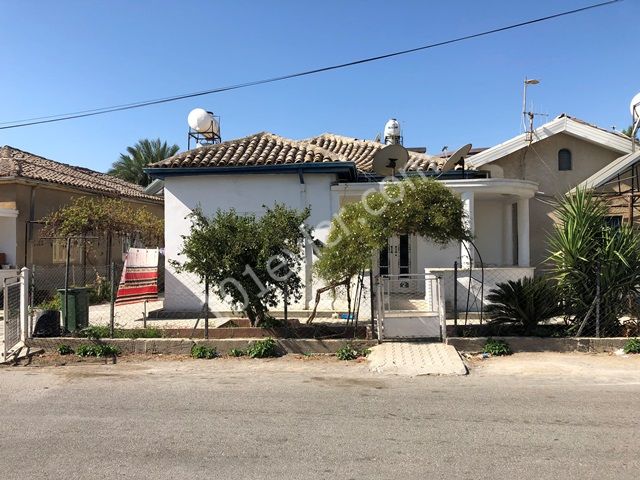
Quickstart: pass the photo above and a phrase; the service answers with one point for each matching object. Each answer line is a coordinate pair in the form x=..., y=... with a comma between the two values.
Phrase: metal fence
x=11, y=319
x=410, y=307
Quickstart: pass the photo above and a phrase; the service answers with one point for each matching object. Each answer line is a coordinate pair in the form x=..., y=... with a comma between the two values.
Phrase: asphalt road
x=307, y=419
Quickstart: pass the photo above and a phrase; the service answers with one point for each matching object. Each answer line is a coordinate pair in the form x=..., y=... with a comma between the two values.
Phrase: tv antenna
x=529, y=115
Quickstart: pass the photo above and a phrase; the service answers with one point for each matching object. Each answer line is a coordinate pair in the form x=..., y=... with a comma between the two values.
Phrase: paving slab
x=415, y=358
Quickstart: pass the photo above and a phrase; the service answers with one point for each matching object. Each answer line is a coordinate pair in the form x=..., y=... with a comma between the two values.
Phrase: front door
x=395, y=259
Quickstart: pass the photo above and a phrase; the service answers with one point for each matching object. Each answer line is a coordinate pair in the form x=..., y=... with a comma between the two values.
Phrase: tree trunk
x=346, y=282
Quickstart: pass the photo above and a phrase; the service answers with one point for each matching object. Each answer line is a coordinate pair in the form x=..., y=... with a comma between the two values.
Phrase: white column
x=523, y=232
x=466, y=249
x=507, y=235
x=24, y=304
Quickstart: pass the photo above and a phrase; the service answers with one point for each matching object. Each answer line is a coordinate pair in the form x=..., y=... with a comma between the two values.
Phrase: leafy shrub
x=202, y=351
x=54, y=304
x=263, y=348
x=98, y=350
x=632, y=346
x=525, y=302
x=236, y=352
x=350, y=352
x=64, y=349
x=497, y=348
x=96, y=332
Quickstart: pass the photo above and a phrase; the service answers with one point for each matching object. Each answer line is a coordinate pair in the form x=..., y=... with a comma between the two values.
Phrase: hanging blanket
x=139, y=280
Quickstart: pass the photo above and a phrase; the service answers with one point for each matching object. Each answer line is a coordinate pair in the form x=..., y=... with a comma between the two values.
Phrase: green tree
x=253, y=261
x=417, y=206
x=627, y=131
x=583, y=248
x=130, y=166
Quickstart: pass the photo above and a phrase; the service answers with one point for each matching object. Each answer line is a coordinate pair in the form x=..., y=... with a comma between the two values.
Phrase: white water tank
x=392, y=132
x=203, y=122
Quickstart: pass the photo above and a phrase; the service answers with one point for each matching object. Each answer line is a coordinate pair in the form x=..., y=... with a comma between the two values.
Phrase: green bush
x=350, y=352
x=632, y=346
x=202, y=351
x=525, y=302
x=53, y=304
x=263, y=348
x=497, y=348
x=97, y=350
x=96, y=332
x=236, y=352
x=64, y=349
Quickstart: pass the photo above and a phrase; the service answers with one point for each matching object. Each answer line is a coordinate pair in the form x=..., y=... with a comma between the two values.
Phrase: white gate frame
x=12, y=351
x=380, y=303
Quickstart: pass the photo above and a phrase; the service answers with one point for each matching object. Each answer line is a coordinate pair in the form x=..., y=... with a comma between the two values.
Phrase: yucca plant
x=525, y=302
x=583, y=249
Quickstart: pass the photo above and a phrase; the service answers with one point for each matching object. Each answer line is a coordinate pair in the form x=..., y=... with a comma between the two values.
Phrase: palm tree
x=130, y=166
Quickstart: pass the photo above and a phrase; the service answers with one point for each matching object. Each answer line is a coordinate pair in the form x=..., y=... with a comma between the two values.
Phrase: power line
x=128, y=106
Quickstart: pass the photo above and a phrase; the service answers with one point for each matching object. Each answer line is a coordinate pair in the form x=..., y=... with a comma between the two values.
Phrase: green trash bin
x=78, y=304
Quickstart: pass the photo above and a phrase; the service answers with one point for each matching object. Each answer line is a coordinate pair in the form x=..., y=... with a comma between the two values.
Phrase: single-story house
x=325, y=173
x=32, y=186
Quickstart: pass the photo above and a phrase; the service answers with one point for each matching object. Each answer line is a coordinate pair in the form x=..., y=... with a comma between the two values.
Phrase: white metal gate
x=13, y=328
x=410, y=307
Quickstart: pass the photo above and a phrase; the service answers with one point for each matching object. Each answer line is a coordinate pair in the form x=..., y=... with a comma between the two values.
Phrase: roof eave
x=348, y=168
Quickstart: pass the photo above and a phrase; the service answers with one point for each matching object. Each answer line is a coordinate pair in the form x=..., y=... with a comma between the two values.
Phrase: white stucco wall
x=246, y=194
x=8, y=239
x=489, y=219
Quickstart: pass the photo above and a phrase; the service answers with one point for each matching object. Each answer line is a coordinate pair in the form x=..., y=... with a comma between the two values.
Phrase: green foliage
x=202, y=351
x=97, y=350
x=525, y=302
x=497, y=348
x=63, y=349
x=246, y=259
x=628, y=131
x=632, y=346
x=87, y=216
x=418, y=206
x=54, y=304
x=350, y=352
x=96, y=332
x=267, y=347
x=130, y=166
x=584, y=246
x=271, y=322
x=236, y=352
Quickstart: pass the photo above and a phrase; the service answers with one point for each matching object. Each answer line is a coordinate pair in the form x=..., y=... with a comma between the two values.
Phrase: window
x=564, y=160
x=613, y=221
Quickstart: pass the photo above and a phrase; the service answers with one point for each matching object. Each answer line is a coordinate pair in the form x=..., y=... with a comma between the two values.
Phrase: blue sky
x=69, y=55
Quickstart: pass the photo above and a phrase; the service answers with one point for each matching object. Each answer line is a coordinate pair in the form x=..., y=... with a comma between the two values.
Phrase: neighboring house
x=31, y=187
x=325, y=173
x=557, y=156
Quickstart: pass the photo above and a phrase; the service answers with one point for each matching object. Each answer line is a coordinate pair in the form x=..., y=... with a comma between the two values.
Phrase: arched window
x=564, y=159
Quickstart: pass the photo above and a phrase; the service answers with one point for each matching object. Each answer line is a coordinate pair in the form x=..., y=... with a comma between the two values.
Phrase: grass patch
x=263, y=348
x=98, y=350
x=202, y=351
x=496, y=348
x=63, y=349
x=350, y=352
x=632, y=346
x=96, y=332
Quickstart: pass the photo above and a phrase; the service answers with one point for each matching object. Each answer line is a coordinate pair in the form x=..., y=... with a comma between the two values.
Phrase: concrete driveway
x=319, y=418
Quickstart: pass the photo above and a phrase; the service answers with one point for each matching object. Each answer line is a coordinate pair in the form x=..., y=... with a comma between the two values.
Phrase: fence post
x=24, y=304
x=380, y=311
x=112, y=300
x=441, y=309
x=455, y=293
x=598, y=299
x=206, y=308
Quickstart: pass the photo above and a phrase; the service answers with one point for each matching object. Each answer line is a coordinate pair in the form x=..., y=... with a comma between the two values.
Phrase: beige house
x=32, y=186
x=557, y=156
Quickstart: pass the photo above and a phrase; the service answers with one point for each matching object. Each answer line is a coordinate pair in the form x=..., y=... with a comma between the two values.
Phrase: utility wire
x=128, y=106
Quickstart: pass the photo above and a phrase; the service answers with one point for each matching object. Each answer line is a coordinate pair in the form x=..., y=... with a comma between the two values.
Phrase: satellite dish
x=390, y=159
x=634, y=107
x=203, y=122
x=456, y=157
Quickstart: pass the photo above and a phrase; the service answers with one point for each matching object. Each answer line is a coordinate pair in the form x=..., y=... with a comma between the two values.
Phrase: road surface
x=536, y=416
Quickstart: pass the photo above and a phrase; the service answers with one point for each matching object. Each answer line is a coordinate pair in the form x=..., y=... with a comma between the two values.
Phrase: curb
x=537, y=344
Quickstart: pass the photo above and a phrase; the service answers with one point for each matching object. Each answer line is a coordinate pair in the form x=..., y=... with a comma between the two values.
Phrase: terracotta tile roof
x=269, y=149
x=15, y=163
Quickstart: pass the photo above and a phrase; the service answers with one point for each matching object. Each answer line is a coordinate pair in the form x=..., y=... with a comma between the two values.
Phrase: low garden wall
x=538, y=344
